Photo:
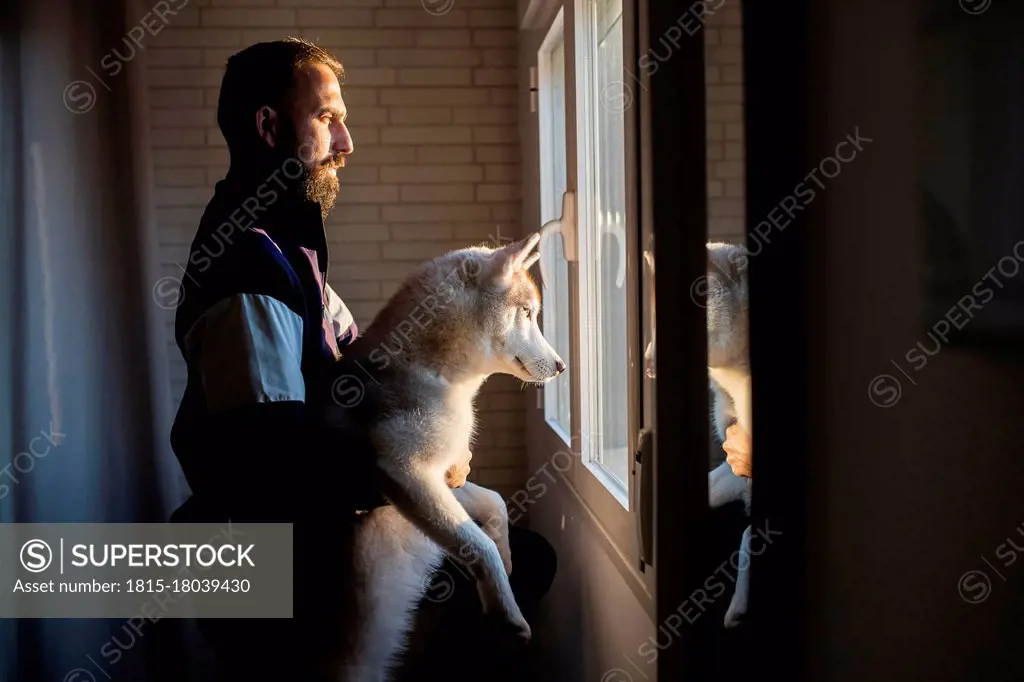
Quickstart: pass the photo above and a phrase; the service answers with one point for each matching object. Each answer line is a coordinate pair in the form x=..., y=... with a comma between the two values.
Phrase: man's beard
x=321, y=184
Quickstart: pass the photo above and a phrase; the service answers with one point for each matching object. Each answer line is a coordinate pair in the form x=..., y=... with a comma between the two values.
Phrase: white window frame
x=588, y=174
x=551, y=206
x=618, y=523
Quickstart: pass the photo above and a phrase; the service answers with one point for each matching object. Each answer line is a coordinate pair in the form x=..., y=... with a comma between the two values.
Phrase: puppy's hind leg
x=392, y=563
x=486, y=507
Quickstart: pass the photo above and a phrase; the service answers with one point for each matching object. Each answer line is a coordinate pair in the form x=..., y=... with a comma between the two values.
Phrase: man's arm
x=256, y=439
x=247, y=349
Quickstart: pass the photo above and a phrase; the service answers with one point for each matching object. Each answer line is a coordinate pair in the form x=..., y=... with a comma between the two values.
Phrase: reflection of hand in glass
x=739, y=451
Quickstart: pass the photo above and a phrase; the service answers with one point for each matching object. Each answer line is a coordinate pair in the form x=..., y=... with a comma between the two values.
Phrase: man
x=258, y=324
x=258, y=327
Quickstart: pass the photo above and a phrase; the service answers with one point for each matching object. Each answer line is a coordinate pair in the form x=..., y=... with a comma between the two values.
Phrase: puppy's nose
x=559, y=366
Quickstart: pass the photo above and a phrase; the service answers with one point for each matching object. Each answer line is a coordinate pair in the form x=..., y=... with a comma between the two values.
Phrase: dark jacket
x=259, y=329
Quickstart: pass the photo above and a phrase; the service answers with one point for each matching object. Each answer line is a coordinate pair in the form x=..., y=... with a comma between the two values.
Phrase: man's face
x=318, y=134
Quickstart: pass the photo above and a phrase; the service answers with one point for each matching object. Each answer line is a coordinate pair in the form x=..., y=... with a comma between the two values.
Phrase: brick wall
x=432, y=102
x=723, y=53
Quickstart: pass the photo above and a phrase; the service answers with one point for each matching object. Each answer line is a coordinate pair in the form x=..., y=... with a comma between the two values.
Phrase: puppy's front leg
x=488, y=509
x=741, y=595
x=420, y=493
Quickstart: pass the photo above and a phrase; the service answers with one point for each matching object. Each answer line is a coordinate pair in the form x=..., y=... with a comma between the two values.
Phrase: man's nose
x=343, y=141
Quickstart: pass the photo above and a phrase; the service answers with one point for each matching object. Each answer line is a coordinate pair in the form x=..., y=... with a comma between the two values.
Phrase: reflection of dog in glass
x=729, y=374
x=729, y=379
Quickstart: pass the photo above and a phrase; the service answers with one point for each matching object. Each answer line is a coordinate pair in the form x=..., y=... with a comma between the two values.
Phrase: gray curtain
x=82, y=350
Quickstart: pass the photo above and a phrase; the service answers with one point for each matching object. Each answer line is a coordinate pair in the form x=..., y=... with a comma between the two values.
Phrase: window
x=556, y=314
x=604, y=331
x=586, y=169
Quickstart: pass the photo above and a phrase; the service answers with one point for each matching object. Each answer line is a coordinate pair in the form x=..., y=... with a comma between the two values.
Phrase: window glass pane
x=603, y=260
x=556, y=312
x=723, y=292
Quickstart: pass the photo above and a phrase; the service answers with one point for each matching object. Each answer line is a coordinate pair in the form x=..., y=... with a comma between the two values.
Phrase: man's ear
x=268, y=125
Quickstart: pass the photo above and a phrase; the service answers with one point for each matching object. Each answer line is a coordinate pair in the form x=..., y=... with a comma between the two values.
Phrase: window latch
x=564, y=225
x=533, y=89
x=643, y=460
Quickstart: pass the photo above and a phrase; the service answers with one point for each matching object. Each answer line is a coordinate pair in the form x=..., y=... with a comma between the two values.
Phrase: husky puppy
x=729, y=375
x=455, y=321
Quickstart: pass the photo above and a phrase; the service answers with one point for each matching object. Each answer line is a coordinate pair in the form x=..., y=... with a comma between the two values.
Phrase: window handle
x=644, y=460
x=564, y=225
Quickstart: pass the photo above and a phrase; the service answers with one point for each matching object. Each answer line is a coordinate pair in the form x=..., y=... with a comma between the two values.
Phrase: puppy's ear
x=728, y=260
x=530, y=260
x=509, y=260
x=738, y=258
x=523, y=250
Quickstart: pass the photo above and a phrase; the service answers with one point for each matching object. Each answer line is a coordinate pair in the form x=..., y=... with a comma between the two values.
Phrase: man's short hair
x=263, y=75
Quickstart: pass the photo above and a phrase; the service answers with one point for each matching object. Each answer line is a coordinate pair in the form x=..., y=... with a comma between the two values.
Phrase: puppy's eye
x=528, y=310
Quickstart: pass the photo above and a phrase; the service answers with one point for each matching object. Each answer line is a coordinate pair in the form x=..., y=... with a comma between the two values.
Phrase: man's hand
x=457, y=474
x=739, y=451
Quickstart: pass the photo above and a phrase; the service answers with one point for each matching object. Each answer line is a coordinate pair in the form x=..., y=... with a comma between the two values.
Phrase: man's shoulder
x=221, y=265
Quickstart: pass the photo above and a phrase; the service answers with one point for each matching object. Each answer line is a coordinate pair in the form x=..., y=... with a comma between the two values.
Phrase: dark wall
x=907, y=458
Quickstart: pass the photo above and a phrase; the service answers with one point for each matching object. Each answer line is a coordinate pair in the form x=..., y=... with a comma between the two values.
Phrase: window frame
x=619, y=526
x=588, y=181
x=550, y=204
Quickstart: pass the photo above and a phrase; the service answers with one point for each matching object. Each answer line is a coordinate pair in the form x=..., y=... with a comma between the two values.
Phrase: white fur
x=488, y=509
x=418, y=414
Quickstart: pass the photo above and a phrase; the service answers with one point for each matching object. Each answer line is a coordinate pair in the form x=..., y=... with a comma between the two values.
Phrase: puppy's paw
x=519, y=629
x=505, y=618
x=737, y=611
x=512, y=633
